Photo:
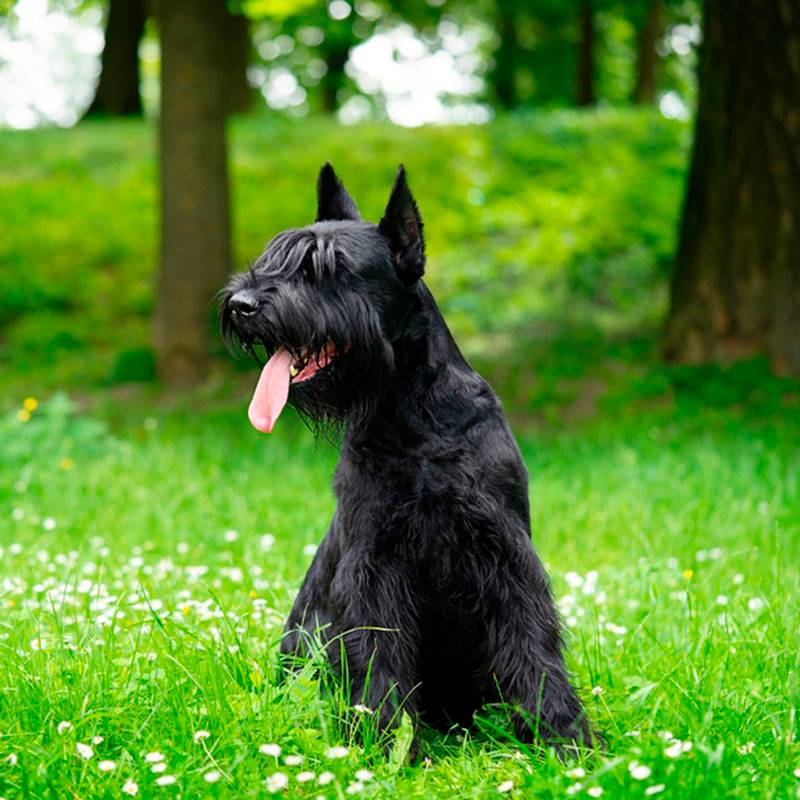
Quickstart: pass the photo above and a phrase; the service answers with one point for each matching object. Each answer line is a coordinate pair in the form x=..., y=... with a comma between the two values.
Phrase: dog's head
x=327, y=303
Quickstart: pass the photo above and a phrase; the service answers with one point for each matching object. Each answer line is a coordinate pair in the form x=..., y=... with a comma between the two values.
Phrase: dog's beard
x=331, y=390
x=279, y=373
x=330, y=360
x=347, y=391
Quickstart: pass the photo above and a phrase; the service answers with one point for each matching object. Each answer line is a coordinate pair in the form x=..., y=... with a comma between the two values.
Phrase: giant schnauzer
x=427, y=577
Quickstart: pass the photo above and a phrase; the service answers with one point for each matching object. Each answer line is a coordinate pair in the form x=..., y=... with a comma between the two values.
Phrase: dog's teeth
x=293, y=371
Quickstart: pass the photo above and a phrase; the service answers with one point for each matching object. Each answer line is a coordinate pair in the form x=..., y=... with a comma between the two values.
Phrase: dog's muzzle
x=244, y=303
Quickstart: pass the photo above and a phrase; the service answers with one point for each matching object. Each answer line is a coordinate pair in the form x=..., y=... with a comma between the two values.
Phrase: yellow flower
x=687, y=573
x=185, y=609
x=253, y=593
x=23, y=415
x=66, y=463
x=30, y=404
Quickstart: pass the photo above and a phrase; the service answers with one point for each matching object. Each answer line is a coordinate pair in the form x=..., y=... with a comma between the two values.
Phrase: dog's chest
x=416, y=507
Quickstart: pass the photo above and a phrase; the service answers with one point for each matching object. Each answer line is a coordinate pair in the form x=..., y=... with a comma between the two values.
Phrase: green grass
x=131, y=612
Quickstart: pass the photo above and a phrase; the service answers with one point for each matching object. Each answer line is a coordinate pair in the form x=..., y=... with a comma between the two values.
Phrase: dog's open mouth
x=283, y=369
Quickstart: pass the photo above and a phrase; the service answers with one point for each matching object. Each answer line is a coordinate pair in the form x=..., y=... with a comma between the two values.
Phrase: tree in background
x=736, y=286
x=504, y=74
x=536, y=51
x=117, y=91
x=239, y=94
x=585, y=94
x=195, y=220
x=649, y=29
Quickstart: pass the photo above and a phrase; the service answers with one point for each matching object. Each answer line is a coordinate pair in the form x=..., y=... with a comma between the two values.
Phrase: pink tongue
x=272, y=392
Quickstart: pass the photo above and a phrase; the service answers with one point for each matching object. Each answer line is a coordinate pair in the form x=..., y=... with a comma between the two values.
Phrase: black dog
x=427, y=574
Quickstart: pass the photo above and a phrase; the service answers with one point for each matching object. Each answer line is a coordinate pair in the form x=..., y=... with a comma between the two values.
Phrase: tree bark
x=647, y=61
x=736, y=288
x=195, y=226
x=118, y=88
x=585, y=94
x=504, y=73
x=238, y=91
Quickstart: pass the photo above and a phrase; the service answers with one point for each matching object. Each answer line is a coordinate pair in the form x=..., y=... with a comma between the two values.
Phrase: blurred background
x=611, y=197
x=612, y=209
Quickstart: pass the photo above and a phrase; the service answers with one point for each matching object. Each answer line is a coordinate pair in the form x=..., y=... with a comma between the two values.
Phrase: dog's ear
x=402, y=226
x=333, y=201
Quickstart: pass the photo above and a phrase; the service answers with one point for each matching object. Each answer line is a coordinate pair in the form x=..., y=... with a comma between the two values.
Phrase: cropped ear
x=402, y=226
x=333, y=201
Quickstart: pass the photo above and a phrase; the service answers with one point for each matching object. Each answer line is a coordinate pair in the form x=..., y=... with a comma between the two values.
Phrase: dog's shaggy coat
x=427, y=575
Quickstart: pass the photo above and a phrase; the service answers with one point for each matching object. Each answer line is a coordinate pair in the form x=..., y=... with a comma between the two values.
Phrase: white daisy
x=84, y=750
x=277, y=782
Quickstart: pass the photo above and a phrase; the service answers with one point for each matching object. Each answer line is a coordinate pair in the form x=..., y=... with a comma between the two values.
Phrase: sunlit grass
x=145, y=577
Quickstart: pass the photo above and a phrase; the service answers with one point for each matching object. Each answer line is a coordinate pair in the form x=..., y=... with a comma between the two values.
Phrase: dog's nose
x=244, y=302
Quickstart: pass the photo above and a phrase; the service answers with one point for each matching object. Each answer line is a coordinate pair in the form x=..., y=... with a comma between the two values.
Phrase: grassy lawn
x=146, y=572
x=151, y=545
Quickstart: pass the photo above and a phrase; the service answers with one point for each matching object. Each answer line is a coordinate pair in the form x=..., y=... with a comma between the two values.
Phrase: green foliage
x=277, y=9
x=535, y=218
x=134, y=365
x=51, y=431
x=306, y=39
x=543, y=54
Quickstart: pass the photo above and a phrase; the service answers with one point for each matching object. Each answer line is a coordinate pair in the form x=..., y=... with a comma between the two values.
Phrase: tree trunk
x=238, y=91
x=585, y=94
x=647, y=62
x=118, y=88
x=195, y=235
x=334, y=78
x=504, y=73
x=736, y=287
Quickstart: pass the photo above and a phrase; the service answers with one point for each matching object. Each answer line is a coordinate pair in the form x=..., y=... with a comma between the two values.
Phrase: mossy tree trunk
x=117, y=90
x=195, y=235
x=736, y=287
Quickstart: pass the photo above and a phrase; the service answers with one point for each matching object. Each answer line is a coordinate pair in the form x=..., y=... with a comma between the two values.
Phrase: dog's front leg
x=309, y=620
x=527, y=663
x=379, y=625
